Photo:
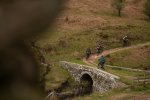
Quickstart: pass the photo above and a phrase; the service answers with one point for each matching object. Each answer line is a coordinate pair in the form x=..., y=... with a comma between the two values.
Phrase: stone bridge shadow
x=97, y=79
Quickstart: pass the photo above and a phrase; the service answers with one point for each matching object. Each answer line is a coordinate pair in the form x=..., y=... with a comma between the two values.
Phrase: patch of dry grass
x=133, y=58
x=85, y=23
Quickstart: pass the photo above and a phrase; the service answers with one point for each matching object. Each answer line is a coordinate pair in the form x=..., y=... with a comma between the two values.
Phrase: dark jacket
x=102, y=59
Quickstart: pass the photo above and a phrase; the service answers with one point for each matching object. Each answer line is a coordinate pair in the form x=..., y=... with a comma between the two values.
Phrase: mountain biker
x=99, y=49
x=125, y=41
x=88, y=53
x=102, y=61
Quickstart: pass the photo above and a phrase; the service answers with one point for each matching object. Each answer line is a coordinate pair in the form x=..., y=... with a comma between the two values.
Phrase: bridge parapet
x=102, y=81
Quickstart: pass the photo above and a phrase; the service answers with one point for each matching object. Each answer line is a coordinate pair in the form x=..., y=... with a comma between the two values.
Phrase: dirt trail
x=93, y=57
x=121, y=96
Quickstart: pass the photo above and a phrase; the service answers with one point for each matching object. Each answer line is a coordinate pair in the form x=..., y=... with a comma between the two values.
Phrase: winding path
x=93, y=57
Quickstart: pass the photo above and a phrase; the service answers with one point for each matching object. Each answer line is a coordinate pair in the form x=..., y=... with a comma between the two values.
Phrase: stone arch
x=87, y=81
x=86, y=73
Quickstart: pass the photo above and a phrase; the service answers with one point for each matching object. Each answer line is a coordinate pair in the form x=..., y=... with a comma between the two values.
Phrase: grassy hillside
x=123, y=94
x=138, y=58
x=87, y=23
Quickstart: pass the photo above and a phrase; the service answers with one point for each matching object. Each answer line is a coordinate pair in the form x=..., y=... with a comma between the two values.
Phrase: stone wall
x=102, y=81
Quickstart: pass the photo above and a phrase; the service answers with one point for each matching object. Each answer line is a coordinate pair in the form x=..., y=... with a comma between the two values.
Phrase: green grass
x=67, y=44
x=72, y=46
x=125, y=75
x=133, y=58
x=56, y=77
x=93, y=96
x=116, y=94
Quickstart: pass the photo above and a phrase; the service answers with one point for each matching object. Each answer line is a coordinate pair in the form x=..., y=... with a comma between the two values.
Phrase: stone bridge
x=101, y=81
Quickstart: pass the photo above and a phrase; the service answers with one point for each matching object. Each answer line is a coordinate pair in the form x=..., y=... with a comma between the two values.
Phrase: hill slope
x=87, y=23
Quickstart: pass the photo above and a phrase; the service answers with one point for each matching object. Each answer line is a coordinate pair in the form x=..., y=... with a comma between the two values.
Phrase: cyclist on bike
x=125, y=41
x=88, y=53
x=102, y=61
